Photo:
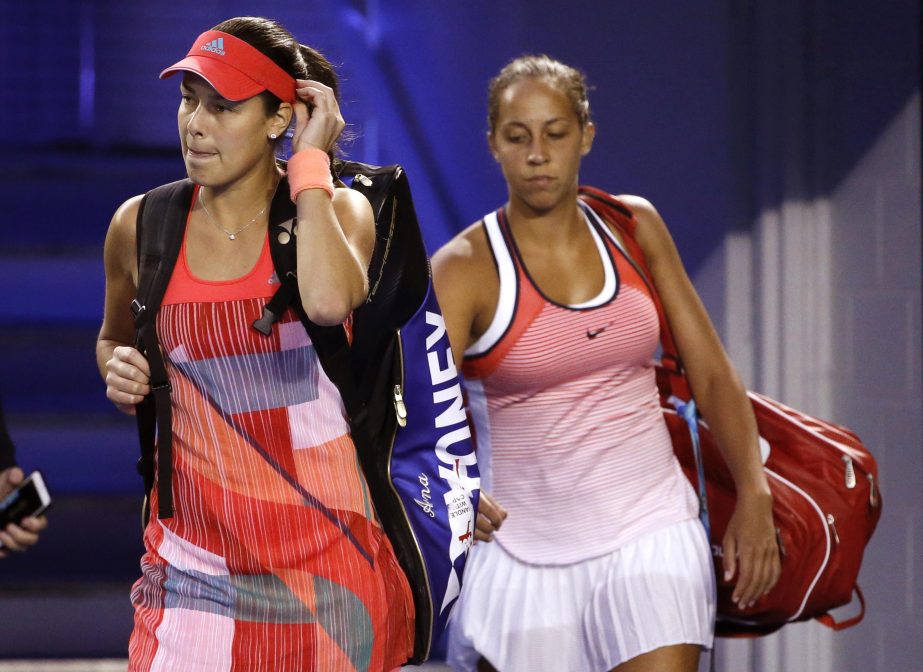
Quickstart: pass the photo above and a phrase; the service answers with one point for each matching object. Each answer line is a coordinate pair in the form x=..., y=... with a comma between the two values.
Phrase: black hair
x=298, y=60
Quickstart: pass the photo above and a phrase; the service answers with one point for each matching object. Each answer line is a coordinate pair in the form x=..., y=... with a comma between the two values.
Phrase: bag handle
x=828, y=619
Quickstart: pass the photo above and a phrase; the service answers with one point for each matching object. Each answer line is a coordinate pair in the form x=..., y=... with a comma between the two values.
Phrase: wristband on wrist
x=309, y=169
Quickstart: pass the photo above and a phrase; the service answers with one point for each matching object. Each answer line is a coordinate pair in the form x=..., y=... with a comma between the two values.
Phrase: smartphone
x=30, y=498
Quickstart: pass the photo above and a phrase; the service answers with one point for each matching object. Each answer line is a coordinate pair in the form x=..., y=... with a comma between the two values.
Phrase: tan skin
x=539, y=142
x=228, y=151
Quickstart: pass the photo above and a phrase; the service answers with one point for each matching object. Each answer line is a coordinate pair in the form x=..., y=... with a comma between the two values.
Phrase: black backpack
x=406, y=417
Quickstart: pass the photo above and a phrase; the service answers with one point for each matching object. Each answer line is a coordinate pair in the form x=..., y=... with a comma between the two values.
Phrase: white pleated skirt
x=655, y=591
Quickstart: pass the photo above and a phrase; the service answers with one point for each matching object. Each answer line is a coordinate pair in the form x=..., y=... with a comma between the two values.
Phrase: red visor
x=235, y=69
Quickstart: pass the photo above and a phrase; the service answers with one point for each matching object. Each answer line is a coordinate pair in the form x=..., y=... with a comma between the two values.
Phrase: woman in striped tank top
x=597, y=560
x=274, y=559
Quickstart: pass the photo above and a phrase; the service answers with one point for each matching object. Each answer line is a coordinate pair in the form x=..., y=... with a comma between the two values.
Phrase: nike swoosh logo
x=593, y=333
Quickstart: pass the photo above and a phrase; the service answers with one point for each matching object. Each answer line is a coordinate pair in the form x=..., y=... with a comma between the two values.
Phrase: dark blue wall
x=85, y=124
x=414, y=74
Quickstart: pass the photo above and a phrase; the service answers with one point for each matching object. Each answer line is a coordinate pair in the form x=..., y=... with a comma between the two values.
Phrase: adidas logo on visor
x=215, y=46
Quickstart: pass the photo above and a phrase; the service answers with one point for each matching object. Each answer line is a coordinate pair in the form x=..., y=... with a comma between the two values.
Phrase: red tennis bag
x=824, y=482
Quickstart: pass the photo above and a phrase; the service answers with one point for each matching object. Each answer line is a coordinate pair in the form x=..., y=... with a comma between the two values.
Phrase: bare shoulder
x=467, y=284
x=354, y=213
x=464, y=271
x=120, y=258
x=465, y=254
x=127, y=214
x=642, y=208
x=121, y=238
x=121, y=262
x=652, y=232
x=351, y=203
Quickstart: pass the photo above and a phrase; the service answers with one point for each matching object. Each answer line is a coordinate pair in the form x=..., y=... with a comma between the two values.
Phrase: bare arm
x=750, y=547
x=335, y=243
x=335, y=238
x=462, y=273
x=456, y=269
x=124, y=369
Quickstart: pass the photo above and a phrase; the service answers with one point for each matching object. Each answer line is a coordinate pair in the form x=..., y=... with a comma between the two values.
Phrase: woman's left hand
x=322, y=126
x=751, y=550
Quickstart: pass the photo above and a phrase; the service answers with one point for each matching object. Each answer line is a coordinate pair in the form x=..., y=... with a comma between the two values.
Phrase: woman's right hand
x=128, y=377
x=490, y=516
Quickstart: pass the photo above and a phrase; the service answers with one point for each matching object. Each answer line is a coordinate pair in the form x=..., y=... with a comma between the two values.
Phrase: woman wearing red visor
x=273, y=559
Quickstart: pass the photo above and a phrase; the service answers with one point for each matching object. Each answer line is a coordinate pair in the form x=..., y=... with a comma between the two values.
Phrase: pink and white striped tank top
x=564, y=402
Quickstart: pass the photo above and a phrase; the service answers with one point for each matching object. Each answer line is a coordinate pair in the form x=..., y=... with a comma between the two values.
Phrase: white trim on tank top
x=610, y=234
x=506, y=302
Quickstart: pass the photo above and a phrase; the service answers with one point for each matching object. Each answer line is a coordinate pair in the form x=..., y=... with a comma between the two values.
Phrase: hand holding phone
x=28, y=498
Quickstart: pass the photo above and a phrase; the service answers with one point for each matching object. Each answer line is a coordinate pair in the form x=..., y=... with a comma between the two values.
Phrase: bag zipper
x=831, y=521
x=849, y=463
x=850, y=475
x=400, y=409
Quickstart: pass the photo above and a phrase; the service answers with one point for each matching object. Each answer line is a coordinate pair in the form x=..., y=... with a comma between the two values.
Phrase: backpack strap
x=160, y=227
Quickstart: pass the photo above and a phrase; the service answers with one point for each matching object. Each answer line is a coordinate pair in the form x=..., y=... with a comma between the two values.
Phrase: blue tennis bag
x=397, y=377
x=407, y=410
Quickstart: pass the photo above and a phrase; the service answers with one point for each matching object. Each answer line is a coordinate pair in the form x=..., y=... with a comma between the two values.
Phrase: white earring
x=273, y=136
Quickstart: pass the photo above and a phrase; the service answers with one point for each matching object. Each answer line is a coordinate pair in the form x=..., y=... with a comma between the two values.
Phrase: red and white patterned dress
x=274, y=559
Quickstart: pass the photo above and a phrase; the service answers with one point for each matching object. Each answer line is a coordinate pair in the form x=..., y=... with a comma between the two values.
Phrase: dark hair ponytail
x=298, y=60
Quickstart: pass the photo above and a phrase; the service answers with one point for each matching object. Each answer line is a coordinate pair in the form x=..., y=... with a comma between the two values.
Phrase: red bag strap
x=620, y=216
x=828, y=619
